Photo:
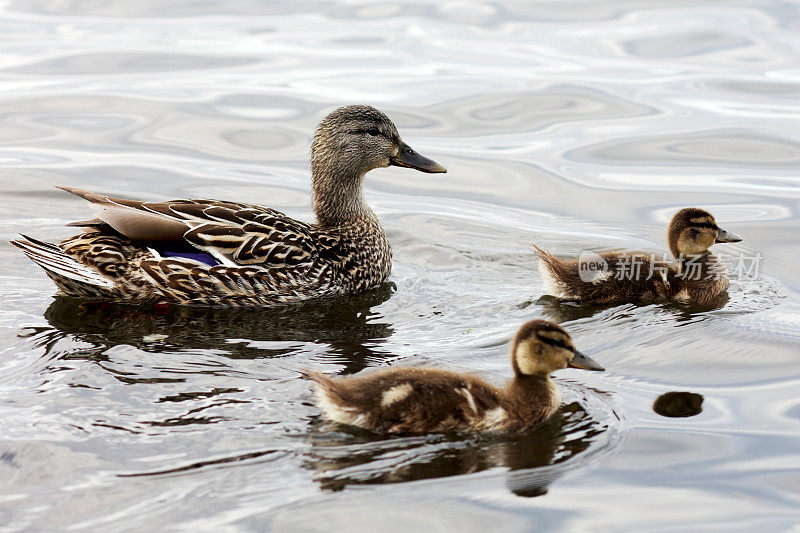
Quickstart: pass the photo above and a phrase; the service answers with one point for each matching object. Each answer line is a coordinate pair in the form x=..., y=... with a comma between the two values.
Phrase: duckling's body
x=697, y=275
x=210, y=252
x=415, y=400
x=420, y=400
x=657, y=280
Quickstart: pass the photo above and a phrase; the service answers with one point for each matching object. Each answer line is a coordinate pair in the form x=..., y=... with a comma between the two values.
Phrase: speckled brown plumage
x=420, y=400
x=697, y=275
x=262, y=256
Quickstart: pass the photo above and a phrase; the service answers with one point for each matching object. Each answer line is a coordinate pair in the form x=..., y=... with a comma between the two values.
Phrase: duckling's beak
x=726, y=236
x=407, y=157
x=584, y=362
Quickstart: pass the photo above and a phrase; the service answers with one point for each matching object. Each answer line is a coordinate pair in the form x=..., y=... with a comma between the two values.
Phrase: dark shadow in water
x=560, y=311
x=688, y=312
x=679, y=404
x=347, y=325
x=261, y=456
x=343, y=456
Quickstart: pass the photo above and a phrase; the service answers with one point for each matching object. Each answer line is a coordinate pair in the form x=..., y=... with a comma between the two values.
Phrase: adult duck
x=211, y=252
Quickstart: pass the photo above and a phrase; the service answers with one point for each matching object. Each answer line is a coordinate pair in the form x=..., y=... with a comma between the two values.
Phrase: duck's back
x=607, y=278
x=411, y=400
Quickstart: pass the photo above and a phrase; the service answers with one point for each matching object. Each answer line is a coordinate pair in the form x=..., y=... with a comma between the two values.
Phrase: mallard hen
x=211, y=252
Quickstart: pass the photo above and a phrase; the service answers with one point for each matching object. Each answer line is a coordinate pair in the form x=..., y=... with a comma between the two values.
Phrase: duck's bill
x=726, y=236
x=407, y=157
x=584, y=362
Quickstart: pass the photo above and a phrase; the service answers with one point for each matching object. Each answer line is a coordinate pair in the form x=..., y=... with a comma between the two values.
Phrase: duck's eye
x=374, y=132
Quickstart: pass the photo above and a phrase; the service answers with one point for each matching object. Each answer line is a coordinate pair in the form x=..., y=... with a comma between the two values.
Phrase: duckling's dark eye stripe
x=554, y=342
x=709, y=225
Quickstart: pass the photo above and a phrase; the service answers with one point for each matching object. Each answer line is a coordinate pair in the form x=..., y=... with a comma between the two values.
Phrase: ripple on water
x=686, y=44
x=111, y=62
x=534, y=110
x=714, y=148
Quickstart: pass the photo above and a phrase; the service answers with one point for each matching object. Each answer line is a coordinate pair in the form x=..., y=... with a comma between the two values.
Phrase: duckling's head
x=355, y=139
x=692, y=231
x=541, y=347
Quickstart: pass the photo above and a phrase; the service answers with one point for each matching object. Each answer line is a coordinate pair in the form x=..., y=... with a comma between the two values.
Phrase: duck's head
x=692, y=231
x=541, y=347
x=355, y=139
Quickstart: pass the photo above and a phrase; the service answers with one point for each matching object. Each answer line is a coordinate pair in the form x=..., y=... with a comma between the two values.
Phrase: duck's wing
x=235, y=234
x=139, y=221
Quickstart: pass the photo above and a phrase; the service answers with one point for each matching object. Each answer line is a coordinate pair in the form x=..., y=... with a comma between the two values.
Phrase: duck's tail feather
x=543, y=254
x=325, y=386
x=332, y=401
x=552, y=272
x=314, y=375
x=72, y=277
x=547, y=260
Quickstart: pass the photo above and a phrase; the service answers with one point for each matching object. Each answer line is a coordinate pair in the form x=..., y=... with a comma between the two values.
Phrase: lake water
x=573, y=125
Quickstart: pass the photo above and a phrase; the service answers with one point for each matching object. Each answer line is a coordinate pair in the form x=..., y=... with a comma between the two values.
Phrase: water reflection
x=260, y=457
x=560, y=311
x=685, y=312
x=343, y=456
x=679, y=404
x=348, y=326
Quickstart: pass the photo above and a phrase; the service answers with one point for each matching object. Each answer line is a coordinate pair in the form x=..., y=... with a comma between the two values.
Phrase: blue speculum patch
x=177, y=249
x=197, y=256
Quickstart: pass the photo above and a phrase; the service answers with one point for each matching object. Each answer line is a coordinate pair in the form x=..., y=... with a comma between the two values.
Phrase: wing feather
x=244, y=234
x=264, y=254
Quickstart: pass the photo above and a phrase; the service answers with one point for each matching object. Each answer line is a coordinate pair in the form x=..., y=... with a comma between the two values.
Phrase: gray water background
x=575, y=125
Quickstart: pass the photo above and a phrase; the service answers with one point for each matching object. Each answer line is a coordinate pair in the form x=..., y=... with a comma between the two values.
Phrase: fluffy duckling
x=697, y=275
x=420, y=400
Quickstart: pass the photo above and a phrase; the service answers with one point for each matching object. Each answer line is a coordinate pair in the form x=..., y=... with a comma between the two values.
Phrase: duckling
x=211, y=252
x=421, y=400
x=696, y=276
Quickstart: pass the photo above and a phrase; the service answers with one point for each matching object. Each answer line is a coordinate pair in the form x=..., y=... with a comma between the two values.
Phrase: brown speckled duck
x=696, y=275
x=421, y=400
x=210, y=252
